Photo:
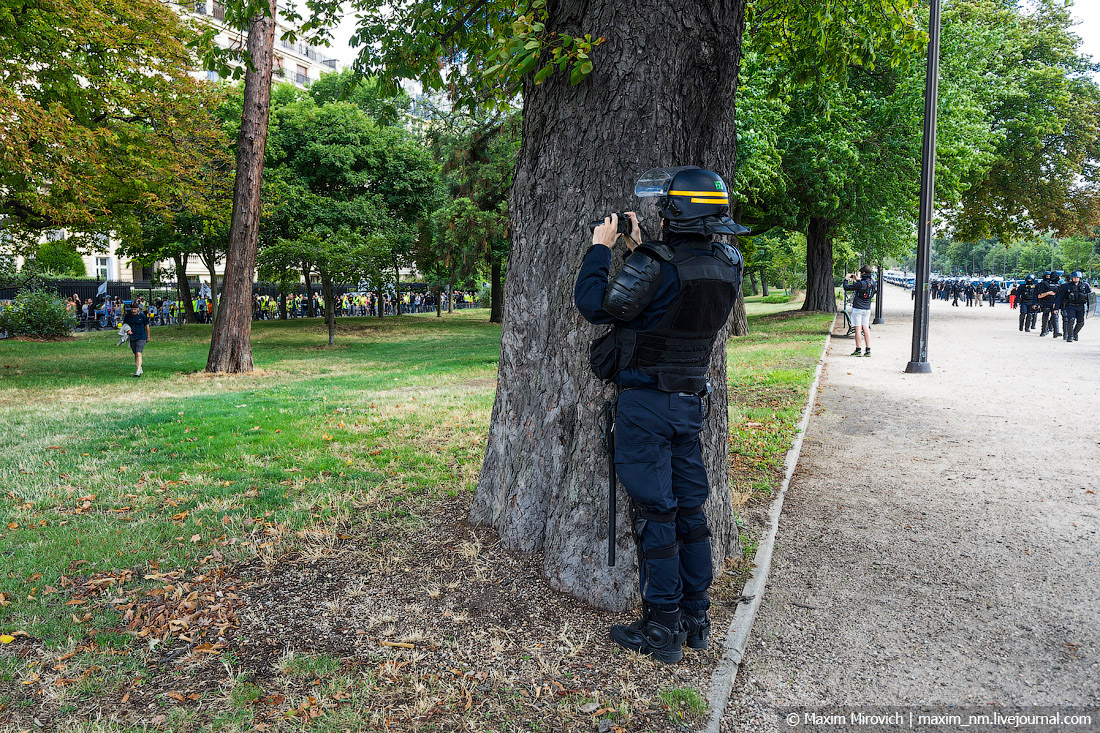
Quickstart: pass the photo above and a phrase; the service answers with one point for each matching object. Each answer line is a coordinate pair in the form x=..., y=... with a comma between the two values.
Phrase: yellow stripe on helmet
x=705, y=194
x=710, y=201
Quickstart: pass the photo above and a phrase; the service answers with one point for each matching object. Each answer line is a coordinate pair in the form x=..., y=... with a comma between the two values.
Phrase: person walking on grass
x=139, y=333
x=864, y=290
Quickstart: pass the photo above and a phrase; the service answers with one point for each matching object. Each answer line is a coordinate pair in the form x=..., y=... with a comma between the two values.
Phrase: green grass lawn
x=104, y=472
x=111, y=481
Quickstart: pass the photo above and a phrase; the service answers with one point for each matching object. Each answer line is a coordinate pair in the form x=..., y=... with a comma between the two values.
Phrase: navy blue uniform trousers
x=659, y=461
x=1073, y=318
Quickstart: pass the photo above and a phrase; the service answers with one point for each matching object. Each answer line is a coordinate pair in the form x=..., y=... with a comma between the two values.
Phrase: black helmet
x=692, y=200
x=1077, y=274
x=1046, y=275
x=1029, y=279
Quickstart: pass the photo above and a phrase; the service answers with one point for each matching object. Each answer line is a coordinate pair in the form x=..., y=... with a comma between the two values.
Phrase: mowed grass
x=103, y=472
x=769, y=374
x=106, y=475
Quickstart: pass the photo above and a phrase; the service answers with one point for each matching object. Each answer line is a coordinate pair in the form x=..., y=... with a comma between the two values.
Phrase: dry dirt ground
x=939, y=541
x=380, y=625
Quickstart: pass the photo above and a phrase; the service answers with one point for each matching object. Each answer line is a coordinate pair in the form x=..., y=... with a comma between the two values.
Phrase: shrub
x=777, y=298
x=38, y=313
x=60, y=258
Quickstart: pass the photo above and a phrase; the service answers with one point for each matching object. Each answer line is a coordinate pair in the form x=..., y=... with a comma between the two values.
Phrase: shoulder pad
x=658, y=250
x=729, y=252
x=631, y=290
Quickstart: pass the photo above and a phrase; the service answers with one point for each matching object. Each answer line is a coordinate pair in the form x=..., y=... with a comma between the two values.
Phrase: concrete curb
x=737, y=638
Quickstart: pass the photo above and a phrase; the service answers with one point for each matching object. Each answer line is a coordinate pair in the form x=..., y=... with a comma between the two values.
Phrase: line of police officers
x=1051, y=297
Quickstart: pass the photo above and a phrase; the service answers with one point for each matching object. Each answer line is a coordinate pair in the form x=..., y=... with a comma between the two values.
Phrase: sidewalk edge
x=737, y=638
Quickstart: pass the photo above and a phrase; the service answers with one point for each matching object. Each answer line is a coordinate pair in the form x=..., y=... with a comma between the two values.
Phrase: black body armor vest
x=1077, y=294
x=676, y=352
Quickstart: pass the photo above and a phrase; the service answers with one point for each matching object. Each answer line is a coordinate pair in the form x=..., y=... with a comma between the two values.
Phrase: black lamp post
x=878, y=300
x=918, y=364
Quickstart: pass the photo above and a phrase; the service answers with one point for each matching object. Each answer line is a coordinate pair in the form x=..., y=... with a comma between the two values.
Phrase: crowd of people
x=1047, y=305
x=108, y=312
x=266, y=307
x=1062, y=304
x=973, y=292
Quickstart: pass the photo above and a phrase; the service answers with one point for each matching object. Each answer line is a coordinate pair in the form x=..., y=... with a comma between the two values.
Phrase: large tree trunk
x=752, y=282
x=665, y=82
x=764, y=283
x=184, y=288
x=496, y=293
x=739, y=319
x=231, y=340
x=820, y=291
x=438, y=302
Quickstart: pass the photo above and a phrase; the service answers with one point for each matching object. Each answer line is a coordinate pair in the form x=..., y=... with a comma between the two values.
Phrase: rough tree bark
x=662, y=94
x=231, y=340
x=752, y=282
x=282, y=305
x=184, y=287
x=764, y=283
x=820, y=291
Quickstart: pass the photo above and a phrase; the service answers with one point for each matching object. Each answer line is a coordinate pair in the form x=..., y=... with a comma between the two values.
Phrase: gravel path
x=939, y=541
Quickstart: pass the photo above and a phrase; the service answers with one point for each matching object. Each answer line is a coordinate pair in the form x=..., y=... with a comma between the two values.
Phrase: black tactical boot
x=696, y=625
x=656, y=633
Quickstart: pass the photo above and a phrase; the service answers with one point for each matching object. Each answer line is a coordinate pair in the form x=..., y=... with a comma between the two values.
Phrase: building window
x=219, y=10
x=200, y=7
x=302, y=77
x=55, y=235
x=102, y=268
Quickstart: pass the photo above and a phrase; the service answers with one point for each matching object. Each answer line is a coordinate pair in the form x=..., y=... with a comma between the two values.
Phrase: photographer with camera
x=666, y=307
x=864, y=290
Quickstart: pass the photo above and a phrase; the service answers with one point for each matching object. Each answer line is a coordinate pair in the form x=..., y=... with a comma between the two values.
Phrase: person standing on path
x=864, y=290
x=1027, y=295
x=993, y=290
x=1048, y=292
x=139, y=333
x=667, y=306
x=1073, y=299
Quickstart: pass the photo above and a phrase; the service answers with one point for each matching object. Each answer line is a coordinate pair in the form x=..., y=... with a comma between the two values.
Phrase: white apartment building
x=297, y=62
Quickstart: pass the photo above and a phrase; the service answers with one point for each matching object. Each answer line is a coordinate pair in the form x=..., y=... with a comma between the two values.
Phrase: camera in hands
x=624, y=223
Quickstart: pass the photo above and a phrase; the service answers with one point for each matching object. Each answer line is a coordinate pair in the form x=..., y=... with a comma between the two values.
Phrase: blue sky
x=1088, y=12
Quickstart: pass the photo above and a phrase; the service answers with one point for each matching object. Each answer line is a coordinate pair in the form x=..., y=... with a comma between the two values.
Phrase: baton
x=609, y=444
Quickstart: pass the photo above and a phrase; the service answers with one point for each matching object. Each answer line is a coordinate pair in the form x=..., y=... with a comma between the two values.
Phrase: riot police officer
x=1048, y=292
x=1027, y=295
x=1073, y=299
x=666, y=307
x=993, y=290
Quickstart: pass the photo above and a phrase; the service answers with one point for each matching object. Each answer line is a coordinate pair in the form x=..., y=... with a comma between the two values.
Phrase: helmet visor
x=657, y=181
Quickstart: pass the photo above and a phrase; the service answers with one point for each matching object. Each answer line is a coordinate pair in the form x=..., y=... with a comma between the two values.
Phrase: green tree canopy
x=98, y=114
x=348, y=196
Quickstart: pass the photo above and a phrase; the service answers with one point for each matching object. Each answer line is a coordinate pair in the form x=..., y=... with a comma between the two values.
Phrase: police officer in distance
x=1048, y=292
x=993, y=290
x=1027, y=295
x=1073, y=299
x=666, y=307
